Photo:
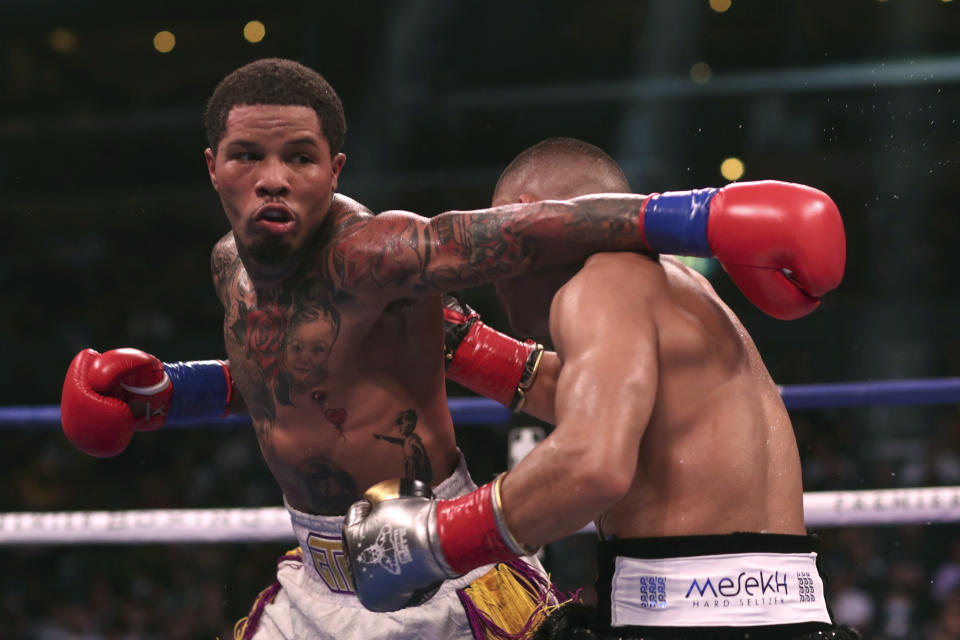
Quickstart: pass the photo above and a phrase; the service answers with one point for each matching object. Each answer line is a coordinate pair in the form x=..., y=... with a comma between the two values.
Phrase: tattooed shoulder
x=346, y=213
x=224, y=265
x=383, y=252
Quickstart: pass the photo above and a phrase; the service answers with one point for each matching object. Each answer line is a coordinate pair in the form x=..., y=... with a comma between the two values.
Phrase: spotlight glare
x=732, y=168
x=164, y=41
x=720, y=5
x=700, y=72
x=254, y=31
x=62, y=40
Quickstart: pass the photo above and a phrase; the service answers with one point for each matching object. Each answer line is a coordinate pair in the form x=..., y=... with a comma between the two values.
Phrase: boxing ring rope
x=481, y=411
x=924, y=505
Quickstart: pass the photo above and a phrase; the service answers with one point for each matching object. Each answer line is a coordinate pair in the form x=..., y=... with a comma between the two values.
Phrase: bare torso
x=343, y=390
x=718, y=453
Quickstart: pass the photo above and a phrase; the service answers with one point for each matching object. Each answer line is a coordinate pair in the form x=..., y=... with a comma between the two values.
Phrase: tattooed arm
x=224, y=267
x=411, y=255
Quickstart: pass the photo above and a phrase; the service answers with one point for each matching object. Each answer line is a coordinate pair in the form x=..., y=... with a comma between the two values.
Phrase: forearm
x=540, y=398
x=604, y=397
x=554, y=492
x=469, y=248
x=401, y=254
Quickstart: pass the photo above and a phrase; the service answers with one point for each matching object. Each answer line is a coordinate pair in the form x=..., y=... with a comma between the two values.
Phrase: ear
x=526, y=198
x=337, y=166
x=211, y=166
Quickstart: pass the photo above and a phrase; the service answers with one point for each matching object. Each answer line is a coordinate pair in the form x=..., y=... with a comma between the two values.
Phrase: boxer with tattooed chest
x=327, y=376
x=334, y=332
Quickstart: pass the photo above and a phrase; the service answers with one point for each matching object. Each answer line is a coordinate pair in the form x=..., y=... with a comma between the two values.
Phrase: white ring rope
x=924, y=505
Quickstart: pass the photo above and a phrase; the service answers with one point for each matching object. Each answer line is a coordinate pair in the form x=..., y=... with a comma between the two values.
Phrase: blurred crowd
x=891, y=582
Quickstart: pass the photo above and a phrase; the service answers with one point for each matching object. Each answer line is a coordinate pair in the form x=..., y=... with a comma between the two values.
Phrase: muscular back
x=713, y=447
x=341, y=386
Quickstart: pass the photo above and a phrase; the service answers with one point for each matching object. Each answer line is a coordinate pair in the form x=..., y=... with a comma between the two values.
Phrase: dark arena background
x=109, y=218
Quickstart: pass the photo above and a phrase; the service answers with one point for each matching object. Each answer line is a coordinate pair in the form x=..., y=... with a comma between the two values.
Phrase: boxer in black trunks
x=671, y=437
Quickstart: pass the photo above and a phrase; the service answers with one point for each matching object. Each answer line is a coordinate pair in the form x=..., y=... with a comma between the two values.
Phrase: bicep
x=386, y=252
x=608, y=382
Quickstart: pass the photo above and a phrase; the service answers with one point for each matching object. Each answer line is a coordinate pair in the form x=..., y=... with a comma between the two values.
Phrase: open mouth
x=275, y=218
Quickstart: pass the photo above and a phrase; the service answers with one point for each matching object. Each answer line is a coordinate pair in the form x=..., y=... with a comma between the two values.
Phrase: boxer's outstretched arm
x=604, y=398
x=407, y=254
x=793, y=253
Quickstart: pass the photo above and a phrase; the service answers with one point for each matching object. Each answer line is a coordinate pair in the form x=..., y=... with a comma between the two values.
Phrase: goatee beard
x=270, y=251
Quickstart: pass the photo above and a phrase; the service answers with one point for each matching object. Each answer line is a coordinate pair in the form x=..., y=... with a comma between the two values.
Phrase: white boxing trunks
x=718, y=586
x=314, y=598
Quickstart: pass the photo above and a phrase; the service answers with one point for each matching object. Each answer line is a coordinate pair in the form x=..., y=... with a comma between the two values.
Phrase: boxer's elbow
x=601, y=479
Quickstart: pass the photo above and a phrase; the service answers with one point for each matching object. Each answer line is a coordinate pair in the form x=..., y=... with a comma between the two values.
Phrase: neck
x=268, y=278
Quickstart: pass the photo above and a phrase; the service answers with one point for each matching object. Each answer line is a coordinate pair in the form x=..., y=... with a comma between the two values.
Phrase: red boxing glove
x=783, y=244
x=98, y=424
x=102, y=391
x=472, y=531
x=484, y=360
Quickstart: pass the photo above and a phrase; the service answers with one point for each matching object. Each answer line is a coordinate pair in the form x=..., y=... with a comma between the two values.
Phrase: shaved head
x=554, y=169
x=559, y=169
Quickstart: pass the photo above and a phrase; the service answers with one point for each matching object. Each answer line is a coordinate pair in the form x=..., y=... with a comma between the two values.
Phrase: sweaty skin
x=667, y=421
x=332, y=314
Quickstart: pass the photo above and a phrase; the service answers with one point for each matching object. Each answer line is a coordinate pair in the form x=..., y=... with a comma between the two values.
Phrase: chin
x=270, y=251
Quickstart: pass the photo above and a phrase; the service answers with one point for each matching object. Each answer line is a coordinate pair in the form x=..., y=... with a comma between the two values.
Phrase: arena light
x=62, y=40
x=700, y=72
x=720, y=5
x=732, y=168
x=164, y=41
x=254, y=31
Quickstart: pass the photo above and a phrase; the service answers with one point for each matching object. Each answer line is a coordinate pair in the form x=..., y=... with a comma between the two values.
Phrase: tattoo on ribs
x=331, y=490
x=416, y=463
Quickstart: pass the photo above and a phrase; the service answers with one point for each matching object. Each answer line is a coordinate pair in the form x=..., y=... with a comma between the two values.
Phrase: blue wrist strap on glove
x=199, y=389
x=675, y=222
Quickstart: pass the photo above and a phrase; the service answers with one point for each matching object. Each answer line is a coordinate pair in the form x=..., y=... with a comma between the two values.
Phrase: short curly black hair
x=276, y=81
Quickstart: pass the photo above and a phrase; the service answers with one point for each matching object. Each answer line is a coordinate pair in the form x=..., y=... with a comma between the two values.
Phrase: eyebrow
x=304, y=140
x=239, y=143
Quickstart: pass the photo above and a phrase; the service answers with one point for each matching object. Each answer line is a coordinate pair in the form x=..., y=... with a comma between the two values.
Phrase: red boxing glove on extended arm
x=101, y=392
x=97, y=424
x=783, y=244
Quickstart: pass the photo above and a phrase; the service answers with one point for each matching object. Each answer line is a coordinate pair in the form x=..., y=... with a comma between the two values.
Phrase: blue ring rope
x=481, y=411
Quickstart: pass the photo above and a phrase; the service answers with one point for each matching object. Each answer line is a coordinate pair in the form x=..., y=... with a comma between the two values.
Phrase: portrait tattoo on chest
x=287, y=340
x=416, y=463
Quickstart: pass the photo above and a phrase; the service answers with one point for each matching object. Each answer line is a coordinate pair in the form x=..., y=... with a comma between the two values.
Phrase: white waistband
x=320, y=536
x=735, y=590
